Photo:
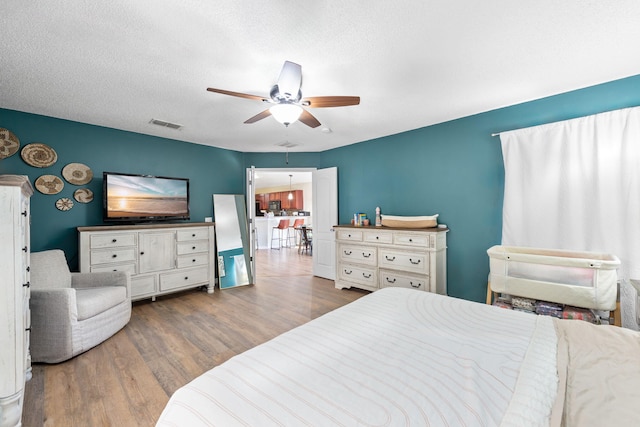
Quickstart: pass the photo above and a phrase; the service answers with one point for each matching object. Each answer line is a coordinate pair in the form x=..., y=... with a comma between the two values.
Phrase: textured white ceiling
x=413, y=63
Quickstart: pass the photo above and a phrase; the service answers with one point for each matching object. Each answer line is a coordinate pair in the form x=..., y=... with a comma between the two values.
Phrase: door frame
x=251, y=196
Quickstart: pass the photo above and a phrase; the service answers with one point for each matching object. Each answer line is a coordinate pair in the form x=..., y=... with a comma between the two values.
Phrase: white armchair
x=73, y=312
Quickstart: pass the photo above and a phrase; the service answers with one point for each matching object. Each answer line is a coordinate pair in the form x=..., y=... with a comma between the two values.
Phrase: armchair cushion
x=49, y=270
x=93, y=301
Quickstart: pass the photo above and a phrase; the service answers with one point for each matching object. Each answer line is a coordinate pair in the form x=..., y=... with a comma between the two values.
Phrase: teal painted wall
x=210, y=170
x=453, y=169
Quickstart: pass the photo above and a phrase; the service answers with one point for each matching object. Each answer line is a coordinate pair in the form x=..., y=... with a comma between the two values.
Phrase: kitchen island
x=264, y=228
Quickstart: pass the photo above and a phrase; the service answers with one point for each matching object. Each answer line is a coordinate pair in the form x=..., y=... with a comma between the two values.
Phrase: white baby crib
x=580, y=279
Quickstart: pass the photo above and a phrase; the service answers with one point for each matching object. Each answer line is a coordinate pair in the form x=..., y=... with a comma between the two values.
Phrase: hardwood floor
x=127, y=380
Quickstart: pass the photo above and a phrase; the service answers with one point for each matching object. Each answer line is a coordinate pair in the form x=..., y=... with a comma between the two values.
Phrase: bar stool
x=297, y=233
x=281, y=229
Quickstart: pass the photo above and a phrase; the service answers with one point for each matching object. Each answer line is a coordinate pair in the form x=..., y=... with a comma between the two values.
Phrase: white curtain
x=576, y=185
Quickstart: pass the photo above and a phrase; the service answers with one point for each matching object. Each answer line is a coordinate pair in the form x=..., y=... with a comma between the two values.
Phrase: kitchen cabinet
x=297, y=203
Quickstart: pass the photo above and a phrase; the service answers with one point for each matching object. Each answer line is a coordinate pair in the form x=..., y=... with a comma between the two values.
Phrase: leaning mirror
x=232, y=240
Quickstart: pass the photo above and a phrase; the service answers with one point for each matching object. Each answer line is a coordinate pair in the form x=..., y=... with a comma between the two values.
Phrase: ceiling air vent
x=165, y=124
x=286, y=144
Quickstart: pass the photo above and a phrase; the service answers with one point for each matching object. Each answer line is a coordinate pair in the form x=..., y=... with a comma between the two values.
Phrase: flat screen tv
x=144, y=198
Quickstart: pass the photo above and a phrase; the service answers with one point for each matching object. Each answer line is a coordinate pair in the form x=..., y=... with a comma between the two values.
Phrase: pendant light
x=290, y=196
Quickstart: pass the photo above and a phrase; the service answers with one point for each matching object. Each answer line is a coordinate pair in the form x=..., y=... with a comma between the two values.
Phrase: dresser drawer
x=393, y=278
x=128, y=267
x=194, y=260
x=359, y=254
x=358, y=274
x=413, y=239
x=192, y=247
x=110, y=256
x=377, y=236
x=193, y=234
x=143, y=285
x=99, y=241
x=350, y=235
x=406, y=261
x=184, y=278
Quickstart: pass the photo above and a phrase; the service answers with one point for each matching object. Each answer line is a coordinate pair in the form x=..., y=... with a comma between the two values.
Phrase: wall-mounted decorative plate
x=83, y=195
x=77, y=173
x=39, y=155
x=49, y=184
x=64, y=204
x=9, y=143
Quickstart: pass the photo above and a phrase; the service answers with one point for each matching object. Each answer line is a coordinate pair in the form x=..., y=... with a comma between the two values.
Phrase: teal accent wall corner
x=455, y=169
x=210, y=170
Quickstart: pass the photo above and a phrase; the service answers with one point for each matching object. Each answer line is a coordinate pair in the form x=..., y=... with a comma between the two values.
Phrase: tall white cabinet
x=161, y=258
x=15, y=361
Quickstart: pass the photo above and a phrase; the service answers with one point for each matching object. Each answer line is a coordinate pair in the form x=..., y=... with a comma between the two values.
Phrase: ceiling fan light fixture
x=286, y=113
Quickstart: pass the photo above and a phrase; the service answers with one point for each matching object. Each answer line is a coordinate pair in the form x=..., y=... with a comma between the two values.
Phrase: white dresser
x=15, y=361
x=375, y=257
x=161, y=258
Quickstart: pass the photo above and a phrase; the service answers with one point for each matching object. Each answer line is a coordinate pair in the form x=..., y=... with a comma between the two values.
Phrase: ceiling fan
x=287, y=101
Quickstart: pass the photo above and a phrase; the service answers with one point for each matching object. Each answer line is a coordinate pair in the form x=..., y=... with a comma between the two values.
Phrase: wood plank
x=127, y=380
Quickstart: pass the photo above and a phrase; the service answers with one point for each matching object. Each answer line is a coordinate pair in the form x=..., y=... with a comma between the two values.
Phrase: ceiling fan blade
x=308, y=119
x=330, y=101
x=238, y=94
x=290, y=80
x=259, y=116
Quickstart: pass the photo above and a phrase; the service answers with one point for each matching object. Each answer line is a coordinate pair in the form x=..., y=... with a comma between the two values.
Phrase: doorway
x=282, y=194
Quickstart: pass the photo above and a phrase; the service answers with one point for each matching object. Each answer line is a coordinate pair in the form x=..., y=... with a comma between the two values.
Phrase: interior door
x=251, y=215
x=325, y=216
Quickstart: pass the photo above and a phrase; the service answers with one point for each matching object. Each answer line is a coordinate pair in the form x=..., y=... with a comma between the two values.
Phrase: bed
x=400, y=357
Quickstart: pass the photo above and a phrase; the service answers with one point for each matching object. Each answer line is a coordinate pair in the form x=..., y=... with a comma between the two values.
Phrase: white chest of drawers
x=161, y=258
x=15, y=319
x=373, y=257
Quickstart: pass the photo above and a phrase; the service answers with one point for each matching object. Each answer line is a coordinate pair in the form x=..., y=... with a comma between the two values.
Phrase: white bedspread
x=396, y=357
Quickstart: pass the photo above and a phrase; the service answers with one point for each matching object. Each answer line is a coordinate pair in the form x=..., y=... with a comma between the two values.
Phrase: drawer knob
x=366, y=276
x=414, y=262
x=366, y=255
x=348, y=272
x=114, y=240
x=186, y=277
x=377, y=237
x=411, y=240
x=114, y=256
x=390, y=281
x=142, y=253
x=349, y=235
x=415, y=286
x=193, y=247
x=193, y=260
x=390, y=259
x=193, y=235
x=347, y=252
